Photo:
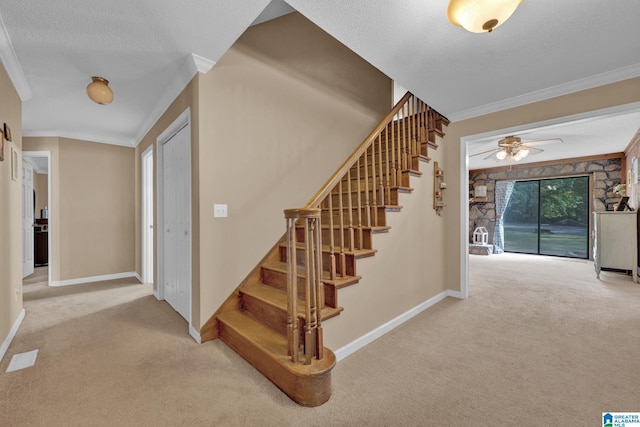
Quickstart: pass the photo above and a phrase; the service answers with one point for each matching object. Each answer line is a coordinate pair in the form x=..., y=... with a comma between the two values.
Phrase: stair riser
x=361, y=240
x=268, y=314
x=278, y=280
x=386, y=197
x=376, y=217
x=349, y=267
x=273, y=316
x=394, y=180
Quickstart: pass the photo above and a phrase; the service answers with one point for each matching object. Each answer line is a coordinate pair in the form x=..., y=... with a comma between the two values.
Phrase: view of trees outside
x=561, y=204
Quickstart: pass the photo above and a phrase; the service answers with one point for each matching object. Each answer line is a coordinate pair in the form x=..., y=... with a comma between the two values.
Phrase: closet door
x=177, y=222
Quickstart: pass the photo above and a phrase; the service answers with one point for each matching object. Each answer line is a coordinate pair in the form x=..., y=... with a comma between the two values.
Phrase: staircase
x=274, y=317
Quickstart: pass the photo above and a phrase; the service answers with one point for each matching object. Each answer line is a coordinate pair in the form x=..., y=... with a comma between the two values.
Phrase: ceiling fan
x=512, y=149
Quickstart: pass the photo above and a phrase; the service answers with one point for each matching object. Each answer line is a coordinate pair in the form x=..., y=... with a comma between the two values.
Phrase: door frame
x=28, y=232
x=183, y=121
x=50, y=205
x=463, y=163
x=146, y=209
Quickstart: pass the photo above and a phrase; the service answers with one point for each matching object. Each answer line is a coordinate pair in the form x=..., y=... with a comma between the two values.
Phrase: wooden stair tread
x=388, y=208
x=356, y=253
x=267, y=351
x=265, y=337
x=398, y=188
x=278, y=298
x=340, y=282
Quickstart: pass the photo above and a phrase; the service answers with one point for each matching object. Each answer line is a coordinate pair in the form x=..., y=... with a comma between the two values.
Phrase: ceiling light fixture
x=99, y=91
x=479, y=16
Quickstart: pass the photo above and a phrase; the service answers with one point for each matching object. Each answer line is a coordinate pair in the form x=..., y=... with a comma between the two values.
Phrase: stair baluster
x=360, y=230
x=374, y=183
x=382, y=198
x=367, y=202
x=343, y=256
x=313, y=288
x=387, y=171
x=350, y=206
x=332, y=244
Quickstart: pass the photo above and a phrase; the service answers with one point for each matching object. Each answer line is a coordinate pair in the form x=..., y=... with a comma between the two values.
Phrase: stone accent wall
x=606, y=174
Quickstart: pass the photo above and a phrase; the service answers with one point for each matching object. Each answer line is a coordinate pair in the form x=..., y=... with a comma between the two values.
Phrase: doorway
x=147, y=215
x=41, y=200
x=174, y=215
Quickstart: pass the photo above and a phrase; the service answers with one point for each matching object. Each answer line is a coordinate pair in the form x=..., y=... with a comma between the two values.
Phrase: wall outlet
x=219, y=211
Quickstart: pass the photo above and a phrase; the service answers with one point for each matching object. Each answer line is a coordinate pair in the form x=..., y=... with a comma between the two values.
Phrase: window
x=549, y=217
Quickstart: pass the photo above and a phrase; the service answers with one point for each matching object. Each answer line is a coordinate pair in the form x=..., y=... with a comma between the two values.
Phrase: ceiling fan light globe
x=480, y=16
x=501, y=155
x=99, y=91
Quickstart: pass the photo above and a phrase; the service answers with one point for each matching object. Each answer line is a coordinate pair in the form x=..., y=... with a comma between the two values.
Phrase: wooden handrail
x=379, y=167
x=328, y=186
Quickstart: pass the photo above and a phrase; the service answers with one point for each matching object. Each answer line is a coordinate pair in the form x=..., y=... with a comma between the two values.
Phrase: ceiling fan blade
x=534, y=150
x=484, y=152
x=492, y=156
x=543, y=141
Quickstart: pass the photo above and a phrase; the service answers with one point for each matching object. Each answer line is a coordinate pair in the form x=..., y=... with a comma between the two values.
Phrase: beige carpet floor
x=540, y=341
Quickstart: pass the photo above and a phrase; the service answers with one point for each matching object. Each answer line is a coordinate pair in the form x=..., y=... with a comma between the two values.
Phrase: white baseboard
x=12, y=333
x=195, y=334
x=368, y=338
x=91, y=279
x=139, y=277
x=455, y=294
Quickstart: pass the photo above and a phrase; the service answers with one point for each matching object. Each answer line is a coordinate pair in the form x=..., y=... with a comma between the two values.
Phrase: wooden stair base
x=266, y=350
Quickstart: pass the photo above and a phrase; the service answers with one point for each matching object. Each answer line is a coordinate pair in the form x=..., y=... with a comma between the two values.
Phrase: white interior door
x=176, y=202
x=147, y=215
x=27, y=219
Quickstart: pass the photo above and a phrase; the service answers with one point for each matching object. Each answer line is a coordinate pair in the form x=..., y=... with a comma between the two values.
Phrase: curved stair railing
x=274, y=317
x=348, y=206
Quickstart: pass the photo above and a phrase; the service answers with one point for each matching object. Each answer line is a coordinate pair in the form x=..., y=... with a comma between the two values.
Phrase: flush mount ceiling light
x=479, y=16
x=99, y=90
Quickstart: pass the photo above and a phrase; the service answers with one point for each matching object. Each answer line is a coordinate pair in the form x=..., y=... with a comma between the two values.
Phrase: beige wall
x=606, y=96
x=91, y=208
x=279, y=113
x=96, y=209
x=10, y=211
x=407, y=270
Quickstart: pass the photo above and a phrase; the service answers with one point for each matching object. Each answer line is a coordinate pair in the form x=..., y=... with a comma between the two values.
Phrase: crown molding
x=203, y=65
x=551, y=92
x=36, y=168
x=99, y=137
x=12, y=65
x=183, y=76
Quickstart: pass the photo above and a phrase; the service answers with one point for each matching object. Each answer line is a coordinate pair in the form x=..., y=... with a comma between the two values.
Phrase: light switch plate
x=219, y=211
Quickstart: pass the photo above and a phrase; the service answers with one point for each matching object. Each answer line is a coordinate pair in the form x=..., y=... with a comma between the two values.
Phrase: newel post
x=303, y=226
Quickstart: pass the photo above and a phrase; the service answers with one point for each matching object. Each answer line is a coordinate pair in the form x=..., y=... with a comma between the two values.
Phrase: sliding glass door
x=549, y=217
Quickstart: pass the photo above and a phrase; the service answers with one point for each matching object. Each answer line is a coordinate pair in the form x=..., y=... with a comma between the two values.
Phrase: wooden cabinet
x=616, y=241
x=41, y=248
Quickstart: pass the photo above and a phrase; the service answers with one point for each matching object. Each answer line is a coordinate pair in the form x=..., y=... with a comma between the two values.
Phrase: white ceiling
x=150, y=49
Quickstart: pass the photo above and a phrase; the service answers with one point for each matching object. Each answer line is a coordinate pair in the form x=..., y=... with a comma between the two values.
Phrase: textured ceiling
x=146, y=47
